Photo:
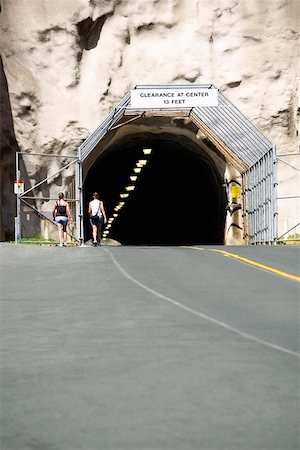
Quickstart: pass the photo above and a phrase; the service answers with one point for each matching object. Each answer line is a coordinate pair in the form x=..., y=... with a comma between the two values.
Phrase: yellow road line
x=195, y=248
x=256, y=264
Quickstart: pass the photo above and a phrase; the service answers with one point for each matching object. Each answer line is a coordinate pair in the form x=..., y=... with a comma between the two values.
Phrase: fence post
x=18, y=205
x=79, y=203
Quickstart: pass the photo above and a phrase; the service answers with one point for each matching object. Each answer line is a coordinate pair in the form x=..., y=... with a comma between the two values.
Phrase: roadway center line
x=252, y=263
x=260, y=266
x=198, y=313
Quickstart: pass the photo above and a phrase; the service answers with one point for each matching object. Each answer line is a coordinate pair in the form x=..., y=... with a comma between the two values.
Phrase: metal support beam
x=79, y=203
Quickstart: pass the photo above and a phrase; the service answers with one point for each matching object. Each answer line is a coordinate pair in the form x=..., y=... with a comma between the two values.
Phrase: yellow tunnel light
x=130, y=188
x=133, y=177
x=124, y=195
x=115, y=215
x=141, y=163
x=147, y=151
x=121, y=203
x=108, y=226
x=137, y=169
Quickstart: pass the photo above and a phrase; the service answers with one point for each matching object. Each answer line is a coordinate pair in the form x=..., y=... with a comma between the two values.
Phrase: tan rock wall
x=69, y=62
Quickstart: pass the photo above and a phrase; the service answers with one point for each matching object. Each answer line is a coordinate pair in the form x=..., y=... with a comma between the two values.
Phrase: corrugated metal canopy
x=235, y=130
x=227, y=128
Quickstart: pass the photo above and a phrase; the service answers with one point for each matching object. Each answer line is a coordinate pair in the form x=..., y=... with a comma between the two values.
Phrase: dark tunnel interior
x=178, y=197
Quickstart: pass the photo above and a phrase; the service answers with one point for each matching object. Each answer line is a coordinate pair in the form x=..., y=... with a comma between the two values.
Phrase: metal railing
x=32, y=222
x=287, y=236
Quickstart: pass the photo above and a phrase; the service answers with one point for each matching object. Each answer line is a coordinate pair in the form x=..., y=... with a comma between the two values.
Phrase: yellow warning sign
x=235, y=191
x=19, y=187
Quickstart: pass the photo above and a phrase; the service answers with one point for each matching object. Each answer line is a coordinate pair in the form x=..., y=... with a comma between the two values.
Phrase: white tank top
x=95, y=206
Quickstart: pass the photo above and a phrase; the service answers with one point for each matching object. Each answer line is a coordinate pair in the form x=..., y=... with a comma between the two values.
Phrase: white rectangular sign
x=173, y=97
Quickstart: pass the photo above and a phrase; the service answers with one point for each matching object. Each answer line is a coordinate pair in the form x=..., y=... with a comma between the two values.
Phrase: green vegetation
x=34, y=240
x=38, y=240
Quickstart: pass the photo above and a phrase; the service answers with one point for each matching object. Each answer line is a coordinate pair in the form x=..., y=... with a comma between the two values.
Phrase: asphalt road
x=149, y=348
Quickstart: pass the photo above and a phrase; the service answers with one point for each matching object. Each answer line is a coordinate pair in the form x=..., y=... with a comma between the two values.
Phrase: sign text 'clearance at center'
x=173, y=98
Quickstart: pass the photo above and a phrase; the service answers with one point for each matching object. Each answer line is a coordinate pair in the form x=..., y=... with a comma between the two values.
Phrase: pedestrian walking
x=97, y=218
x=62, y=215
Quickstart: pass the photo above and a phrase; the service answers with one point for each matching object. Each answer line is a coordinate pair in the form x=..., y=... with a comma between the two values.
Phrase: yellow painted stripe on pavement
x=256, y=264
x=195, y=248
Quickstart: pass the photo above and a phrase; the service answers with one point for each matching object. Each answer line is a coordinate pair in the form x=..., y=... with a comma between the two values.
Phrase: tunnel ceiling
x=178, y=128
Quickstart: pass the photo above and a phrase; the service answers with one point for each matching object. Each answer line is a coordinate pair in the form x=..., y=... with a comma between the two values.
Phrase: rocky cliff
x=67, y=63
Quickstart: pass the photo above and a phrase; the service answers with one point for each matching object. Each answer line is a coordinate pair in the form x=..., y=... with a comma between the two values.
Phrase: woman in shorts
x=62, y=215
x=97, y=218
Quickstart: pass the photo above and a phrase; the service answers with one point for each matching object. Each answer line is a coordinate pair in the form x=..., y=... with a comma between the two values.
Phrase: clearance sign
x=173, y=98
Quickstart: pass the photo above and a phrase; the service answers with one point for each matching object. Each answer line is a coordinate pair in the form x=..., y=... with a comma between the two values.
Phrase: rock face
x=68, y=63
x=8, y=148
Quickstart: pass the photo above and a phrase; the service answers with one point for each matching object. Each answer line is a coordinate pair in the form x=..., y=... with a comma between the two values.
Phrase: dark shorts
x=96, y=220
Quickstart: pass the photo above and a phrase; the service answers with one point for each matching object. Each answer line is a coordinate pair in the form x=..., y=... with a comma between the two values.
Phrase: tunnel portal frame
x=235, y=137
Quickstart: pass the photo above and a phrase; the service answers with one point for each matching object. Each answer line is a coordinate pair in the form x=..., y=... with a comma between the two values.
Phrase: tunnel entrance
x=178, y=197
x=210, y=178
